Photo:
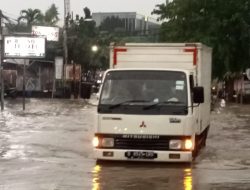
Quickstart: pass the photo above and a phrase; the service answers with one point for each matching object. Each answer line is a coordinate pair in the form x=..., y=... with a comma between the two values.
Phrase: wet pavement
x=48, y=147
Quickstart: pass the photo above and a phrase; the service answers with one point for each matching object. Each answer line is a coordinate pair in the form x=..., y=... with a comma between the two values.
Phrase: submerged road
x=48, y=147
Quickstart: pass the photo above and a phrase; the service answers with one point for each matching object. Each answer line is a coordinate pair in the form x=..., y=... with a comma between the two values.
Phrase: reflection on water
x=96, y=171
x=15, y=151
x=144, y=176
x=188, y=179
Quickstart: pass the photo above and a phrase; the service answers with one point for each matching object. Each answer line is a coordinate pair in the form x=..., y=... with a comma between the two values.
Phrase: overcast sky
x=12, y=8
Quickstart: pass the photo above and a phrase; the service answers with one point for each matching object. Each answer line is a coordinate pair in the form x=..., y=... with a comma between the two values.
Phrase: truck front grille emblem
x=143, y=125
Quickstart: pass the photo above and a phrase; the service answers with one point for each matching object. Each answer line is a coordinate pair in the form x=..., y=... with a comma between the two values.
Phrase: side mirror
x=198, y=94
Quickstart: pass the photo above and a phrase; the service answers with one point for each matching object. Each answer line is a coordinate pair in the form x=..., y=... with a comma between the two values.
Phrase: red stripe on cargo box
x=116, y=50
x=195, y=52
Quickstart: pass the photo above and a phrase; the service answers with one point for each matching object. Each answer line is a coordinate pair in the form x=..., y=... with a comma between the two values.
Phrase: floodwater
x=48, y=147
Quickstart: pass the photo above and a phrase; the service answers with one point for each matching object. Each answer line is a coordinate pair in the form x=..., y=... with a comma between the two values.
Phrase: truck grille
x=142, y=144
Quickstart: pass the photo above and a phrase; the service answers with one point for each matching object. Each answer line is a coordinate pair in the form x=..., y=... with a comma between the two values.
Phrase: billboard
x=24, y=47
x=51, y=33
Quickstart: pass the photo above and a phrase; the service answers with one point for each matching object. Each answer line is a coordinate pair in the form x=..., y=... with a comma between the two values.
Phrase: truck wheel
x=196, y=147
x=204, y=137
x=194, y=153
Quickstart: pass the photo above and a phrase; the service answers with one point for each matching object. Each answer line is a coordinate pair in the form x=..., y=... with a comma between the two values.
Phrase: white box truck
x=154, y=102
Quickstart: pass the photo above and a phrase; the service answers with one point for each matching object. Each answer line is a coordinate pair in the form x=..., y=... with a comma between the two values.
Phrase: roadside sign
x=58, y=67
x=73, y=72
x=51, y=33
x=24, y=47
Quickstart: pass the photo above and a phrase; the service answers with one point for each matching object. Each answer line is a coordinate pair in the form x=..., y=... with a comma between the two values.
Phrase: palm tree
x=31, y=16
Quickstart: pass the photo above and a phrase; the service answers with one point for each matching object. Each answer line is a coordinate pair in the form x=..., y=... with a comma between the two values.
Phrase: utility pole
x=24, y=82
x=1, y=62
x=65, y=45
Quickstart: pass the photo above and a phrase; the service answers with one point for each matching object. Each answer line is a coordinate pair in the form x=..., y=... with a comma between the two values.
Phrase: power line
x=9, y=17
x=10, y=14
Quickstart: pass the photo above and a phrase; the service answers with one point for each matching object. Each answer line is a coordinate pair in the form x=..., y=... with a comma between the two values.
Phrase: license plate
x=140, y=155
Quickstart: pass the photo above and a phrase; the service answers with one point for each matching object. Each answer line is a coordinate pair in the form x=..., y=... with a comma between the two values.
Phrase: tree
x=21, y=27
x=35, y=16
x=82, y=34
x=223, y=25
x=51, y=16
x=87, y=13
x=31, y=16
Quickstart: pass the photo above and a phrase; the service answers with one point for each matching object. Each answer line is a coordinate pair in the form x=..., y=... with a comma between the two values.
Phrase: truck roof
x=148, y=69
x=196, y=44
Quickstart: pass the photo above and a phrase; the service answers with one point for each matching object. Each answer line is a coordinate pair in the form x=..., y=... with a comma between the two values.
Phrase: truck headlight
x=95, y=142
x=188, y=144
x=175, y=144
x=107, y=142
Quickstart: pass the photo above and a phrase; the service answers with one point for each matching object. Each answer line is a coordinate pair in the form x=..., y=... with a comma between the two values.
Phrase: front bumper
x=162, y=156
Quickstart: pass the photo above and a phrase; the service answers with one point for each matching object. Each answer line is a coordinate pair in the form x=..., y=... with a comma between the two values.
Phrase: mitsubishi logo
x=143, y=125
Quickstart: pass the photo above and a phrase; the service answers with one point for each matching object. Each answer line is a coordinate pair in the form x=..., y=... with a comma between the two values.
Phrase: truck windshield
x=146, y=89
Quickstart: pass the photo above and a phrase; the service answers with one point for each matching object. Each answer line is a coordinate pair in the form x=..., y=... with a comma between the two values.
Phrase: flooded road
x=48, y=147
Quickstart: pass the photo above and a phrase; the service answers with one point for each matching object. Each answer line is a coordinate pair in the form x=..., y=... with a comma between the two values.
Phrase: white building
x=132, y=21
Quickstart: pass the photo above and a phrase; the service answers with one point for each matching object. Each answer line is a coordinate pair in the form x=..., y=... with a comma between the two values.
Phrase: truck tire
x=204, y=140
x=196, y=147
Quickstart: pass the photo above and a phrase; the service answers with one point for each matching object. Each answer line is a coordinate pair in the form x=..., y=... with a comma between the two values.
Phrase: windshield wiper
x=125, y=102
x=160, y=103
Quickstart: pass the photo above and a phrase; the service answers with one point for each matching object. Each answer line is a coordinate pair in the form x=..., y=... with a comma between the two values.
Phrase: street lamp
x=94, y=48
